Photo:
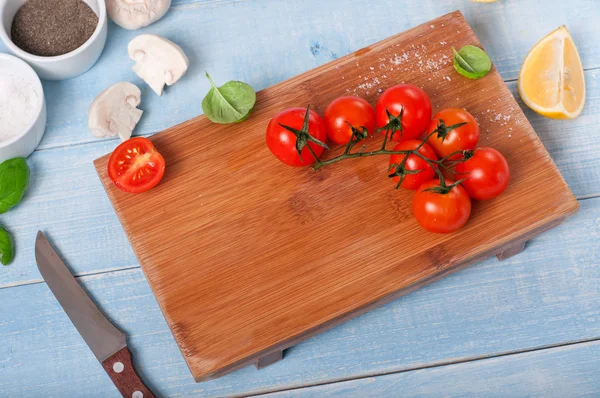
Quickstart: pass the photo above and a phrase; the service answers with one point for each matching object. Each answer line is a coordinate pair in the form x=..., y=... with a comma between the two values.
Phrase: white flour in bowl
x=18, y=103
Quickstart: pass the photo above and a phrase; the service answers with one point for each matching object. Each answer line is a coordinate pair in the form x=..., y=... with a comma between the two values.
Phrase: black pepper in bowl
x=52, y=27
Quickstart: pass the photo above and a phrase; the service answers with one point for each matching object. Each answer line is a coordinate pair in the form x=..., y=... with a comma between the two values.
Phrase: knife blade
x=106, y=341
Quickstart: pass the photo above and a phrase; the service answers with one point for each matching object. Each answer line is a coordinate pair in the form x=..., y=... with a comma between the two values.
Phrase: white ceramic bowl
x=64, y=66
x=25, y=143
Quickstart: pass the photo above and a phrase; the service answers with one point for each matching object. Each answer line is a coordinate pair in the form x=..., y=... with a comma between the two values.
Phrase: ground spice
x=53, y=27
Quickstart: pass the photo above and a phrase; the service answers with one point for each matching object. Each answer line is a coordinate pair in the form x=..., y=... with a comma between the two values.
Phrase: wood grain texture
x=231, y=298
x=120, y=369
x=254, y=50
x=547, y=295
x=99, y=245
x=570, y=371
x=92, y=239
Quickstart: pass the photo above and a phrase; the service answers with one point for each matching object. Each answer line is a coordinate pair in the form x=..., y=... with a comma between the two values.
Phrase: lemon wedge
x=551, y=79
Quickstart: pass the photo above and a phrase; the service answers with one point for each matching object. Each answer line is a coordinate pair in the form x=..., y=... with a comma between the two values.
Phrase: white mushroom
x=135, y=14
x=113, y=112
x=158, y=61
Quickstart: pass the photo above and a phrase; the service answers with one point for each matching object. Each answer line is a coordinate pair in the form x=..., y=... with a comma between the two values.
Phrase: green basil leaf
x=230, y=103
x=14, y=177
x=472, y=62
x=7, y=248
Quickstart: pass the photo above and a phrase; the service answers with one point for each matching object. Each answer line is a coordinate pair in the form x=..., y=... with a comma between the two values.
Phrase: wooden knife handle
x=120, y=369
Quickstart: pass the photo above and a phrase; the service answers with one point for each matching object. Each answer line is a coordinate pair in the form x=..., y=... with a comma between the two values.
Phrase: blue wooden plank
x=265, y=42
x=67, y=200
x=570, y=142
x=547, y=295
x=570, y=371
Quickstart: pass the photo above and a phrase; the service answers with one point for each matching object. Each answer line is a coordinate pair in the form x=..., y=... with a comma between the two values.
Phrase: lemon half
x=551, y=79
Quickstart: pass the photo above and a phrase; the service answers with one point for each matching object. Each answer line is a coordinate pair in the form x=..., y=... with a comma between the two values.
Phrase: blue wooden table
x=528, y=326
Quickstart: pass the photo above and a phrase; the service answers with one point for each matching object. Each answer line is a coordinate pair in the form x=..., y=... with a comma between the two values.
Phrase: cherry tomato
x=486, y=172
x=282, y=142
x=441, y=212
x=354, y=110
x=413, y=163
x=449, y=139
x=417, y=110
x=136, y=166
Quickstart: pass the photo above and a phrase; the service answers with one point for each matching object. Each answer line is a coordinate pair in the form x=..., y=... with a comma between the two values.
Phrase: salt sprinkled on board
x=399, y=59
x=503, y=119
x=413, y=58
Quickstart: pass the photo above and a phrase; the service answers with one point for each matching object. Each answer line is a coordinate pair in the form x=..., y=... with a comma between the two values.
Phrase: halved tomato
x=136, y=166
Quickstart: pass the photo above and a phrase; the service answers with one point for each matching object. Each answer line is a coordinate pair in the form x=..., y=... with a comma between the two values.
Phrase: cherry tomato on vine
x=413, y=163
x=441, y=212
x=451, y=136
x=354, y=110
x=415, y=106
x=282, y=142
x=136, y=166
x=485, y=171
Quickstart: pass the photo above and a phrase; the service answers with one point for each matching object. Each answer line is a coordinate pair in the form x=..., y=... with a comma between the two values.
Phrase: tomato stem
x=357, y=135
x=359, y=154
x=442, y=129
x=443, y=188
x=395, y=170
x=468, y=154
x=303, y=136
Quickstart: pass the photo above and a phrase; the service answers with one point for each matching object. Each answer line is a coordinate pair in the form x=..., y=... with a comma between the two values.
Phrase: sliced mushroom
x=135, y=14
x=158, y=61
x=113, y=112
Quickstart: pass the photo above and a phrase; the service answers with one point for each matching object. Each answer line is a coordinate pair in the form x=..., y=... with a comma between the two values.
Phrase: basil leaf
x=7, y=248
x=230, y=103
x=14, y=177
x=472, y=62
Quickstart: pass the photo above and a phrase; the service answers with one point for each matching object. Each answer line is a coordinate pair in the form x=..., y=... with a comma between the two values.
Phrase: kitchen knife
x=104, y=339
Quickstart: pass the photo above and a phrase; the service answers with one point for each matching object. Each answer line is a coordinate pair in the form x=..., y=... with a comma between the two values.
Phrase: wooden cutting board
x=247, y=256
